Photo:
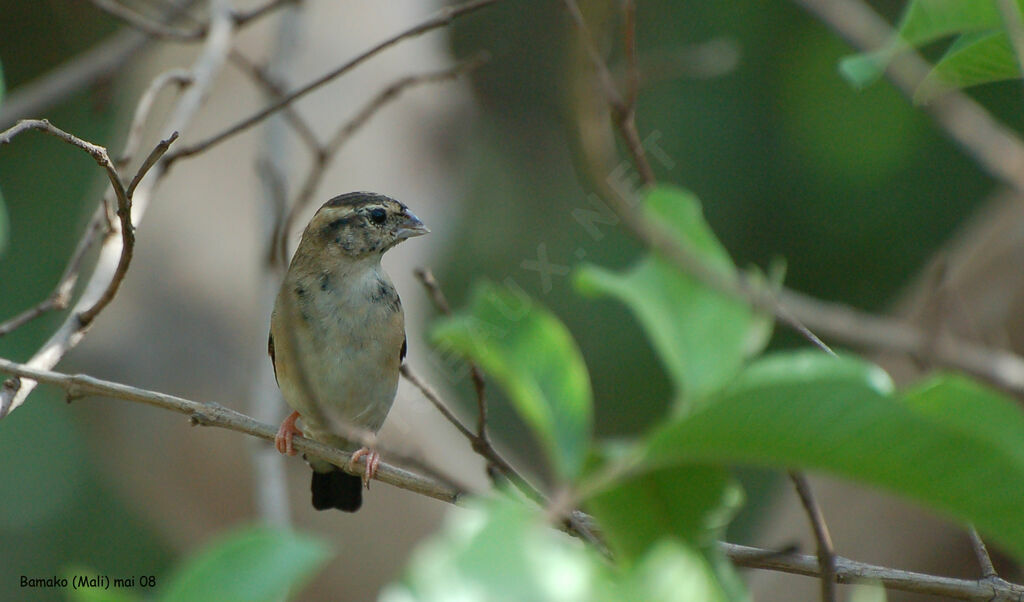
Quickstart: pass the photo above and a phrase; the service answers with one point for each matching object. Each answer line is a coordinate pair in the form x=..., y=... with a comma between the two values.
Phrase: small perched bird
x=337, y=336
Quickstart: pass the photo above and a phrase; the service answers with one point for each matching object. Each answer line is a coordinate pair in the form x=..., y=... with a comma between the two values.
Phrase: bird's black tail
x=337, y=489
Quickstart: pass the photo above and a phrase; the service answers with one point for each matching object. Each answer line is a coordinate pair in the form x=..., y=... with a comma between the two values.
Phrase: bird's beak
x=412, y=226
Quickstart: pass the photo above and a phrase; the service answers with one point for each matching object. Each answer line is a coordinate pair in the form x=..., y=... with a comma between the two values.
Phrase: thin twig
x=441, y=19
x=623, y=114
x=272, y=89
x=826, y=553
x=60, y=298
x=629, y=45
x=426, y=277
x=124, y=214
x=179, y=77
x=107, y=58
x=110, y=259
x=988, y=570
x=324, y=155
x=99, y=154
x=850, y=571
x=481, y=447
x=572, y=521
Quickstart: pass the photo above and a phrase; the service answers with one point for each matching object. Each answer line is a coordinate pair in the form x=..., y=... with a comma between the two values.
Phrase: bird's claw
x=372, y=461
x=287, y=430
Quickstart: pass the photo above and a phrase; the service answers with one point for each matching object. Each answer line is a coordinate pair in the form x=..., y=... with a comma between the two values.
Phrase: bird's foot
x=372, y=461
x=283, y=439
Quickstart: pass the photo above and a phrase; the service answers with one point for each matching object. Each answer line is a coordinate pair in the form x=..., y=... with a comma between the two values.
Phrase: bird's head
x=362, y=224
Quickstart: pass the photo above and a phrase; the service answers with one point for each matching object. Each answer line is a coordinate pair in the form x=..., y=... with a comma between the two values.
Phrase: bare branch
x=622, y=111
x=483, y=447
x=441, y=19
x=426, y=277
x=988, y=570
x=826, y=553
x=850, y=571
x=180, y=77
x=111, y=260
x=275, y=92
x=216, y=415
x=60, y=298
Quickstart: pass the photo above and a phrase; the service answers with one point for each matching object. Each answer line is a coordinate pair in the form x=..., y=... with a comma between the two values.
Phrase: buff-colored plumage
x=337, y=334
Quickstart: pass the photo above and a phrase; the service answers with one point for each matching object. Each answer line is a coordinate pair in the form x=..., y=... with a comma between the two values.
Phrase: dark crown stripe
x=358, y=199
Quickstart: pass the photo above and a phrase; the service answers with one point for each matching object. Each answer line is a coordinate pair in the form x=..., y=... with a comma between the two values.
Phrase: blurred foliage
x=537, y=362
x=64, y=513
x=981, y=53
x=503, y=550
x=856, y=190
x=669, y=487
x=251, y=563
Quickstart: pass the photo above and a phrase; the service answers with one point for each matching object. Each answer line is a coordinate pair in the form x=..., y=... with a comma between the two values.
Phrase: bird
x=337, y=337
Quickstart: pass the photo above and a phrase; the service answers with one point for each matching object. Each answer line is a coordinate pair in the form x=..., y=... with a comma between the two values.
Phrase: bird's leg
x=372, y=461
x=283, y=439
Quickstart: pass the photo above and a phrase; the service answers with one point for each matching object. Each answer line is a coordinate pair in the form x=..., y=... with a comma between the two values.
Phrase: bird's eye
x=378, y=216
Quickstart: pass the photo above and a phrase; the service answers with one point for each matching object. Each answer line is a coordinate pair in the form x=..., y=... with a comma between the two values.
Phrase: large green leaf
x=974, y=59
x=950, y=444
x=502, y=550
x=256, y=563
x=536, y=361
x=702, y=336
x=923, y=21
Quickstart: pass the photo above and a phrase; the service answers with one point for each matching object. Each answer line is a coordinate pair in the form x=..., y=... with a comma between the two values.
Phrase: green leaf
x=498, y=550
x=950, y=444
x=687, y=503
x=255, y=563
x=536, y=361
x=923, y=21
x=672, y=572
x=928, y=20
x=974, y=59
x=503, y=550
x=702, y=337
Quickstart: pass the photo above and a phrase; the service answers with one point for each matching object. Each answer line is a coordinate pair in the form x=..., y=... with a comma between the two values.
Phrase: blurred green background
x=855, y=190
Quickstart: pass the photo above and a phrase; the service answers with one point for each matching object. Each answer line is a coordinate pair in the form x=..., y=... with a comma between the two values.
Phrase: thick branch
x=212, y=414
